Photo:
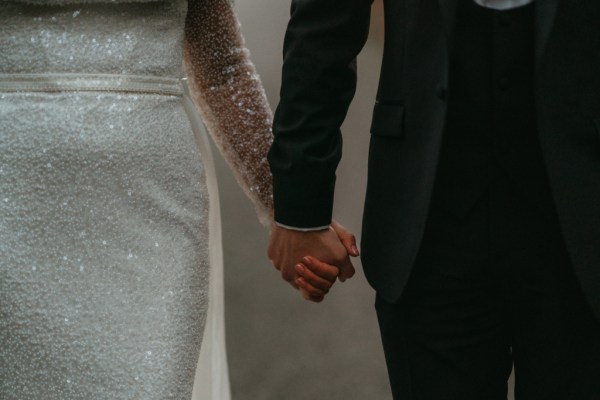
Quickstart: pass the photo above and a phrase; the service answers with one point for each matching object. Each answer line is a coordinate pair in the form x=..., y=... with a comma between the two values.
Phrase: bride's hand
x=349, y=242
x=315, y=278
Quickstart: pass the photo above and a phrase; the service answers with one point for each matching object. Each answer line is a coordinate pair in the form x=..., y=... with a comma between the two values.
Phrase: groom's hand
x=329, y=246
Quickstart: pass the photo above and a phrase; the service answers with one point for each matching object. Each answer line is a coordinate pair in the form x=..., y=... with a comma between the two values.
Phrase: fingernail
x=300, y=282
x=306, y=260
x=355, y=250
x=299, y=269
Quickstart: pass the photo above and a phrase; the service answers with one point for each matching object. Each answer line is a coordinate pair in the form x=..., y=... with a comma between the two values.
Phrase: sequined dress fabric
x=104, y=204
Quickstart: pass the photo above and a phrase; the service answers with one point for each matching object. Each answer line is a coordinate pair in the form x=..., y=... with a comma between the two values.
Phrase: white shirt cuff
x=293, y=228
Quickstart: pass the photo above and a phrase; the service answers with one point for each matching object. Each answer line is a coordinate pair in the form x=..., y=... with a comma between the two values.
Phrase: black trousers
x=490, y=289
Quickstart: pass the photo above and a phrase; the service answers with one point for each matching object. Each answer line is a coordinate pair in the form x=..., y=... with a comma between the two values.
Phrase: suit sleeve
x=322, y=41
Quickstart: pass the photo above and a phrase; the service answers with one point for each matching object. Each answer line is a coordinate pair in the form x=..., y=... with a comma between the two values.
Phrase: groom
x=481, y=231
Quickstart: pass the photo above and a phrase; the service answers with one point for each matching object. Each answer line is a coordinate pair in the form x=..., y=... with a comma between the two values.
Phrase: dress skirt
x=106, y=182
x=104, y=241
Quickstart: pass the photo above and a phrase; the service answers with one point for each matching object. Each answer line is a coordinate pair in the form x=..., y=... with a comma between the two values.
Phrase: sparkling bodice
x=125, y=38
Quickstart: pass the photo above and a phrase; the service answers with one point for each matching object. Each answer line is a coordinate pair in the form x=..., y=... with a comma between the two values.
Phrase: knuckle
x=314, y=291
x=320, y=286
x=286, y=276
x=341, y=255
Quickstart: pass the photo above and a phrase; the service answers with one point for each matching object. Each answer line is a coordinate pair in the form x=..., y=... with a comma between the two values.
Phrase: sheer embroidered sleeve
x=226, y=89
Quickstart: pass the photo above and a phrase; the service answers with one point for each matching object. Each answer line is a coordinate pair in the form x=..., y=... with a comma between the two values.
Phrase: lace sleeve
x=226, y=89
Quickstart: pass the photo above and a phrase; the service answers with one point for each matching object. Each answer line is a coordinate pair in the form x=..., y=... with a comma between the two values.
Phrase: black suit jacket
x=319, y=77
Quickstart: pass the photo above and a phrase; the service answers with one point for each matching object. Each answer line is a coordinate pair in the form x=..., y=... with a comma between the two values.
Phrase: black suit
x=319, y=75
x=411, y=117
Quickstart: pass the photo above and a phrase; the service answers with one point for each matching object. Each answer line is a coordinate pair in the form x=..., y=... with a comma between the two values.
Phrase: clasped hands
x=312, y=261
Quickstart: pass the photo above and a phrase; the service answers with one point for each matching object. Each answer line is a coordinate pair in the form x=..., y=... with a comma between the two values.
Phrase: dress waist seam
x=75, y=82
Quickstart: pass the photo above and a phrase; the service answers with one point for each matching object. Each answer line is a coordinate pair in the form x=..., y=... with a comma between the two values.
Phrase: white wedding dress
x=110, y=254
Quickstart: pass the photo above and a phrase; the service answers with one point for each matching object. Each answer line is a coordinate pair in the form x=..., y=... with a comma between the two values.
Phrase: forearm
x=225, y=87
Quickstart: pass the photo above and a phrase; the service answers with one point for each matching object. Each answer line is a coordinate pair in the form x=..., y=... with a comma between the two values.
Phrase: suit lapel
x=545, y=13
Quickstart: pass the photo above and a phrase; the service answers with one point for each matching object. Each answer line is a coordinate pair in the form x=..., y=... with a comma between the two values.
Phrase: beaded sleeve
x=229, y=96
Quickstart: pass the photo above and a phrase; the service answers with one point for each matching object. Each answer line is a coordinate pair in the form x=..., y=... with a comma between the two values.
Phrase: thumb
x=347, y=270
x=346, y=237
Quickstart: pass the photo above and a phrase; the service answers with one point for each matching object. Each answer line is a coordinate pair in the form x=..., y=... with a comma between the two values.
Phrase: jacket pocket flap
x=388, y=120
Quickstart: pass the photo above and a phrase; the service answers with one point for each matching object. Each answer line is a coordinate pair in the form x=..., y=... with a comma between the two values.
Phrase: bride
x=105, y=188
